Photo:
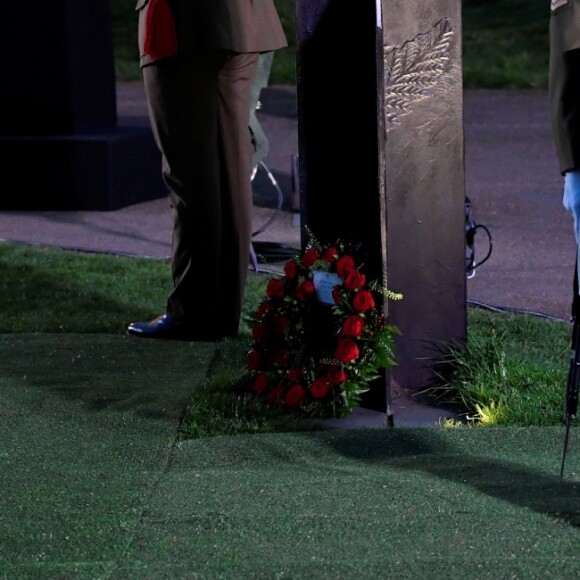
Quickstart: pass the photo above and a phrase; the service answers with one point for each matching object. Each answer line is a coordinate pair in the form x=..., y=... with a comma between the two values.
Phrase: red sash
x=160, y=37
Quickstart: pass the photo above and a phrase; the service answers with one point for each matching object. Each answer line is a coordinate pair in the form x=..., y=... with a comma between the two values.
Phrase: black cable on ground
x=278, y=191
x=509, y=310
x=271, y=251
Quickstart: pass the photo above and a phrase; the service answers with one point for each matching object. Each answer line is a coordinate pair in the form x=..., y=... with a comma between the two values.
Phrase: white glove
x=571, y=199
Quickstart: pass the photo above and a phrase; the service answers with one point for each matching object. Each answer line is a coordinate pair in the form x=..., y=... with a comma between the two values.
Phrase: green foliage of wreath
x=314, y=358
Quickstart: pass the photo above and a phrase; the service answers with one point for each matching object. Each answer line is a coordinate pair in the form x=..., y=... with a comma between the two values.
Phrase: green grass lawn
x=124, y=458
x=505, y=43
x=511, y=373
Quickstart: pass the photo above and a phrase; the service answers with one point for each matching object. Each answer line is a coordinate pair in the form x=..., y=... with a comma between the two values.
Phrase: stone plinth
x=60, y=142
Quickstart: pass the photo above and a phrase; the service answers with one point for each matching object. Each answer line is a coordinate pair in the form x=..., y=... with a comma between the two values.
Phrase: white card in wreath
x=324, y=283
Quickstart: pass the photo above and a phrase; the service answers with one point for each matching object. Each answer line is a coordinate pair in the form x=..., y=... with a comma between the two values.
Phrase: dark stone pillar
x=339, y=137
x=381, y=162
x=58, y=115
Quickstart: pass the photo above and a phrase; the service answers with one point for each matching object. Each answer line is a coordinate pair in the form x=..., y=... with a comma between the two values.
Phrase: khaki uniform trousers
x=199, y=108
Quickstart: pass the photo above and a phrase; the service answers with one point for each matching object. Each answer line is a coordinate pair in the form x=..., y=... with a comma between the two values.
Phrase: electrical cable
x=486, y=230
x=270, y=251
x=280, y=197
x=470, y=229
x=510, y=310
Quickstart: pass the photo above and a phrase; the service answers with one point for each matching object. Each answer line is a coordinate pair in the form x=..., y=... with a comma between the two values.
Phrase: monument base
x=102, y=170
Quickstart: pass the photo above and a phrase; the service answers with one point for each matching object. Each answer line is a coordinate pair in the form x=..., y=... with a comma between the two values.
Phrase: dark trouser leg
x=234, y=86
x=565, y=110
x=199, y=109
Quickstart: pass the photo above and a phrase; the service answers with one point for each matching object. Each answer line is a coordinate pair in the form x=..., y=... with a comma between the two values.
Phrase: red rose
x=264, y=308
x=363, y=301
x=253, y=359
x=336, y=295
x=319, y=388
x=346, y=350
x=354, y=280
x=335, y=375
x=258, y=331
x=275, y=289
x=310, y=256
x=291, y=270
x=305, y=290
x=353, y=326
x=294, y=375
x=260, y=383
x=275, y=396
x=330, y=254
x=294, y=395
x=280, y=356
x=344, y=266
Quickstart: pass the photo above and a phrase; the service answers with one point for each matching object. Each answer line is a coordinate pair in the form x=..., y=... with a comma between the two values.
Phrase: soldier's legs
x=199, y=109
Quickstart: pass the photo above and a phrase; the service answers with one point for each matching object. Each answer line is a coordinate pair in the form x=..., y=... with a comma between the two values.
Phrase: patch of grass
x=216, y=407
x=51, y=290
x=284, y=62
x=505, y=43
x=46, y=289
x=512, y=372
x=125, y=48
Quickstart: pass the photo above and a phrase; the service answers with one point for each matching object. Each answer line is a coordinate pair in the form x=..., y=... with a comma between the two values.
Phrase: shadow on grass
x=52, y=290
x=104, y=373
x=465, y=459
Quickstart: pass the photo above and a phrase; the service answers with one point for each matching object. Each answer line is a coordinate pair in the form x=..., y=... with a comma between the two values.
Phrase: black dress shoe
x=169, y=328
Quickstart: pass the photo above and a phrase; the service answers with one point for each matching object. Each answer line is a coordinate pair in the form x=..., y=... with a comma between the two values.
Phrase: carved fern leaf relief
x=414, y=70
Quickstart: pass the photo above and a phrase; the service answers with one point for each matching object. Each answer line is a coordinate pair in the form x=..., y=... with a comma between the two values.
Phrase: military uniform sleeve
x=564, y=81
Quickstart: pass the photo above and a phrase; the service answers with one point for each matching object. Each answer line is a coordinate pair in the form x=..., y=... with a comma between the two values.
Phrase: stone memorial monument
x=381, y=162
x=61, y=145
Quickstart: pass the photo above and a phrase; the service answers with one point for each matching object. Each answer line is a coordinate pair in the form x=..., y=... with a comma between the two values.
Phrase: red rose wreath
x=317, y=359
